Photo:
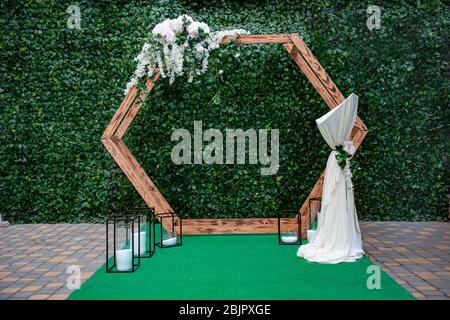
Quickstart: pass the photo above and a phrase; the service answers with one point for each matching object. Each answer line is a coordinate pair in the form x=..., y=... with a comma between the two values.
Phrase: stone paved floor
x=34, y=258
x=415, y=254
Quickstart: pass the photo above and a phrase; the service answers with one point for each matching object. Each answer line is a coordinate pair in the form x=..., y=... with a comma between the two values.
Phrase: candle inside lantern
x=124, y=259
x=290, y=237
x=170, y=240
x=311, y=234
x=139, y=247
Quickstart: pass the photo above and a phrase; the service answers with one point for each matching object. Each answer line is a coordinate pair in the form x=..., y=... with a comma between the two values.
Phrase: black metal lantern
x=146, y=233
x=314, y=207
x=170, y=230
x=289, y=227
x=123, y=257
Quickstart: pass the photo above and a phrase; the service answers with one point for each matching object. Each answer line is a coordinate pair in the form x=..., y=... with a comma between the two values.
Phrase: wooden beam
x=258, y=39
x=134, y=108
x=329, y=99
x=137, y=176
x=156, y=198
x=317, y=69
x=111, y=139
x=120, y=113
x=235, y=226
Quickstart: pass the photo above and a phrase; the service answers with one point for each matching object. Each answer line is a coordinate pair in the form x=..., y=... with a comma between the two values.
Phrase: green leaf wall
x=60, y=87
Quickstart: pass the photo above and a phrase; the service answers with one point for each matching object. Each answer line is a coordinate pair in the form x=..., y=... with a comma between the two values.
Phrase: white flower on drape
x=348, y=147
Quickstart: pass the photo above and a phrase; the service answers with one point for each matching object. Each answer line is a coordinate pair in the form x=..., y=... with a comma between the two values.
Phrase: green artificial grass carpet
x=239, y=267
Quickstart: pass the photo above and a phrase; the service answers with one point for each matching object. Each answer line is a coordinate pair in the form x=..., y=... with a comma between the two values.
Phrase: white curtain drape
x=338, y=237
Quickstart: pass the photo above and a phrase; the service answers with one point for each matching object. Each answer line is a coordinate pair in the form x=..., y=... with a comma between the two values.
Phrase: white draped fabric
x=338, y=237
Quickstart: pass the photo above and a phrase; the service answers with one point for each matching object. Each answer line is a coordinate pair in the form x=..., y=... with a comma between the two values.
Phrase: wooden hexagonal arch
x=128, y=109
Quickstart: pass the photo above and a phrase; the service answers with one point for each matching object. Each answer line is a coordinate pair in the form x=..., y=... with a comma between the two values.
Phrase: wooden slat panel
x=259, y=39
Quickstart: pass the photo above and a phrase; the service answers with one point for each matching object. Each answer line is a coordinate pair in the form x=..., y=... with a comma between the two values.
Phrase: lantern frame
x=149, y=214
x=174, y=221
x=135, y=260
x=290, y=214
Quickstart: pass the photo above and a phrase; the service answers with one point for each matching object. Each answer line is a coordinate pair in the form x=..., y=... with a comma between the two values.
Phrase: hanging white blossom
x=348, y=175
x=342, y=153
x=177, y=47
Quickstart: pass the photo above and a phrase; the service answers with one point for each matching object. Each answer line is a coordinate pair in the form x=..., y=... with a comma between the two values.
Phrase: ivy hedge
x=59, y=88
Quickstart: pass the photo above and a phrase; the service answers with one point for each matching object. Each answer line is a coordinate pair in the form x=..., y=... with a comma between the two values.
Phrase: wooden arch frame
x=128, y=109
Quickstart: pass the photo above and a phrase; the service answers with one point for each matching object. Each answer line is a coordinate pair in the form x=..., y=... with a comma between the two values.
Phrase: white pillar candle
x=142, y=239
x=124, y=260
x=289, y=239
x=169, y=242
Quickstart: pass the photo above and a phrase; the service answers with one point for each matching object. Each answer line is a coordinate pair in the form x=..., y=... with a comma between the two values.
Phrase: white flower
x=194, y=27
x=215, y=38
x=169, y=57
x=167, y=30
x=146, y=47
x=176, y=25
x=348, y=175
x=199, y=47
x=348, y=147
x=140, y=71
x=237, y=55
x=170, y=37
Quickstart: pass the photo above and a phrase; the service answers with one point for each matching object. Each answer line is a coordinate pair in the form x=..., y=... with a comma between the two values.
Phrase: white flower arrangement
x=348, y=147
x=348, y=175
x=342, y=152
x=178, y=47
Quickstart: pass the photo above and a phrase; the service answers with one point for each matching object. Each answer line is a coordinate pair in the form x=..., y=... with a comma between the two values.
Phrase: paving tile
x=31, y=288
x=420, y=288
x=55, y=285
x=429, y=293
x=439, y=283
x=49, y=291
x=418, y=295
x=59, y=296
x=423, y=274
x=11, y=290
x=21, y=295
x=40, y=296
x=56, y=273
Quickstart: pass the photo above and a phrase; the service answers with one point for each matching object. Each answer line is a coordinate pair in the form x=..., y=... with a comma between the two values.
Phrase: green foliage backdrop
x=60, y=87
